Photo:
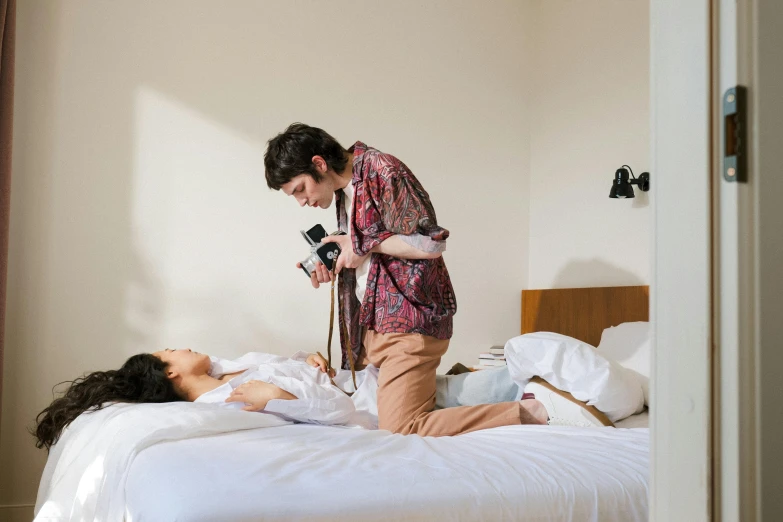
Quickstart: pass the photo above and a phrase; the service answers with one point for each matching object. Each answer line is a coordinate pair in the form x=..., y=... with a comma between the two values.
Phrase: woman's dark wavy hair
x=141, y=379
x=291, y=152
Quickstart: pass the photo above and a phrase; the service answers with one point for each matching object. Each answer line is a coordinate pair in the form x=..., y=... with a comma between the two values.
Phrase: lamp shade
x=621, y=187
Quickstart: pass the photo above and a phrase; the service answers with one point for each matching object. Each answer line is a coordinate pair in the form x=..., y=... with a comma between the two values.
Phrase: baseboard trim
x=17, y=512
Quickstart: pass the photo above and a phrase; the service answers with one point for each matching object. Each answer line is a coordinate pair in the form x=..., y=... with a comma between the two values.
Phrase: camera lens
x=308, y=265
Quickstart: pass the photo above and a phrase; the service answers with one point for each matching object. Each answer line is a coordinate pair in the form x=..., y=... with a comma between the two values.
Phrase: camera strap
x=347, y=337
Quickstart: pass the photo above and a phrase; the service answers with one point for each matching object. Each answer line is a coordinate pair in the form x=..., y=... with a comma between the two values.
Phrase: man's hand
x=316, y=360
x=320, y=275
x=256, y=394
x=347, y=257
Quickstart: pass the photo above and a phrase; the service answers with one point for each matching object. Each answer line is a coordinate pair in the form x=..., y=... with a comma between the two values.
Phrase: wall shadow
x=594, y=272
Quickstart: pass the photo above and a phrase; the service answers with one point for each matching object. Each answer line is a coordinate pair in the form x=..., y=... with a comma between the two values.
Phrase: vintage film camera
x=325, y=253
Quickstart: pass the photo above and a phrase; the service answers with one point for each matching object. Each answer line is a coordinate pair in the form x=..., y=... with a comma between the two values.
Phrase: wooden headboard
x=583, y=313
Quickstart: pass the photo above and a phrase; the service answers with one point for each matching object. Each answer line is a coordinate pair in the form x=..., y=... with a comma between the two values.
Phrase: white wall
x=140, y=218
x=590, y=114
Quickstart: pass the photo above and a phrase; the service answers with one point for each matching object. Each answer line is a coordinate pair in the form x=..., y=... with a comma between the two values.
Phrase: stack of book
x=494, y=358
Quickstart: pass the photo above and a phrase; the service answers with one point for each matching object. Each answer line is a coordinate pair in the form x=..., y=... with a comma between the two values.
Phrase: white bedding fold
x=84, y=478
x=578, y=368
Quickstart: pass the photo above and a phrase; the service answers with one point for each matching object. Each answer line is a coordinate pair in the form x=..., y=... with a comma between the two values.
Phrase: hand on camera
x=347, y=258
x=320, y=275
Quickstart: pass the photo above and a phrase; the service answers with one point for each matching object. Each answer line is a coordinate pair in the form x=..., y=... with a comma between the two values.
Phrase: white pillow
x=630, y=344
x=576, y=367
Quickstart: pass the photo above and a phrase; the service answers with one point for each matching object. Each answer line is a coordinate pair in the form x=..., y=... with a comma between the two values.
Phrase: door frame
x=681, y=307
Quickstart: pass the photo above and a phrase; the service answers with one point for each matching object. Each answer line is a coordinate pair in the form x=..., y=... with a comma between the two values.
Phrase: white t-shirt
x=363, y=270
x=318, y=400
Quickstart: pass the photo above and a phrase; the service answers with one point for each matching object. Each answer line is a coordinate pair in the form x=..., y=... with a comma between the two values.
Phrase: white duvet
x=319, y=473
x=84, y=478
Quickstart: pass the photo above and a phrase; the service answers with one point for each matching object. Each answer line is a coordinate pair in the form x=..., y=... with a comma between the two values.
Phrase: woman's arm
x=300, y=400
x=257, y=394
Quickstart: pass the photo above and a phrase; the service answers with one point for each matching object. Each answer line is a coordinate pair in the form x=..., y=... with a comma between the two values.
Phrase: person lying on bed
x=297, y=388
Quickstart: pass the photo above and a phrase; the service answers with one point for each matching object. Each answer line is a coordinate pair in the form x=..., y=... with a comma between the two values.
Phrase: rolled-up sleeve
x=424, y=243
x=300, y=356
x=403, y=207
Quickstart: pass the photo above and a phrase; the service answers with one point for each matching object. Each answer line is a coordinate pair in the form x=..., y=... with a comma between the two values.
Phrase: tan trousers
x=406, y=390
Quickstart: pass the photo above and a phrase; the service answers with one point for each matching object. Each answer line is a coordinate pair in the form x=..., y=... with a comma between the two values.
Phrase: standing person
x=395, y=295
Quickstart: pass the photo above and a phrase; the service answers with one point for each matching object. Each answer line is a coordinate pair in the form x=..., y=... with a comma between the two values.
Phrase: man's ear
x=171, y=374
x=320, y=164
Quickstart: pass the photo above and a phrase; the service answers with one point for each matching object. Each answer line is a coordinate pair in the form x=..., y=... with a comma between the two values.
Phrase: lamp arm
x=643, y=181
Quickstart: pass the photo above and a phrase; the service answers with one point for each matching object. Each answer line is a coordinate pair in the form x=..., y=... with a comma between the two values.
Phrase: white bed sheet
x=307, y=472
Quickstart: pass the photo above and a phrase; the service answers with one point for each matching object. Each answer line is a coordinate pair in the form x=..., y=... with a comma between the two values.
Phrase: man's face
x=307, y=192
x=311, y=193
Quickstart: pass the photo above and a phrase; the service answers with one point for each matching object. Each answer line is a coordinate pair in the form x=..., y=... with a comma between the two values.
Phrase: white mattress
x=307, y=472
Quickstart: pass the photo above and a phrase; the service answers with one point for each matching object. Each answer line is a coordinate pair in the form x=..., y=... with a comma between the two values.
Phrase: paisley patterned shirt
x=403, y=295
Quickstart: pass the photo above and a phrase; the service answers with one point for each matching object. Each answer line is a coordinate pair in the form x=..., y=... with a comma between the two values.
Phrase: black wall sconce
x=622, y=187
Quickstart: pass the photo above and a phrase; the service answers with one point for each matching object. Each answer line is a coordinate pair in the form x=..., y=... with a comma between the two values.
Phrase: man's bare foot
x=536, y=410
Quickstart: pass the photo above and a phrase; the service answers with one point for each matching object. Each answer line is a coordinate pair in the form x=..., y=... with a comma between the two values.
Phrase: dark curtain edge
x=7, y=58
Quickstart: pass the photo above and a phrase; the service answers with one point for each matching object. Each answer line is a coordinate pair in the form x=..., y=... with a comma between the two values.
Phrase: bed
x=308, y=472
